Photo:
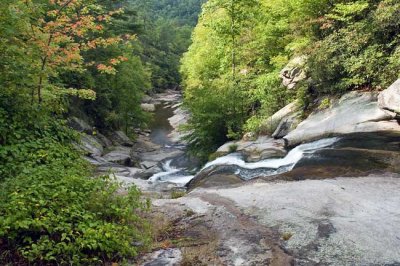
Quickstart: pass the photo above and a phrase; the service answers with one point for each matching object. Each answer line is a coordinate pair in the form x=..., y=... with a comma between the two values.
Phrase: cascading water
x=172, y=175
x=235, y=164
x=288, y=161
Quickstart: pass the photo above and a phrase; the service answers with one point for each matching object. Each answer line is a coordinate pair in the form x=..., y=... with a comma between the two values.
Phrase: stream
x=347, y=155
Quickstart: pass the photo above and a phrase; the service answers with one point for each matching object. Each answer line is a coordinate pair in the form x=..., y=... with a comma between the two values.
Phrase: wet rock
x=253, y=151
x=389, y=99
x=214, y=180
x=120, y=138
x=264, y=148
x=90, y=145
x=355, y=112
x=147, y=173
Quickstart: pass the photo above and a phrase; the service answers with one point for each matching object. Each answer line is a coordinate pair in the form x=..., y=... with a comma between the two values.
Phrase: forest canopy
x=231, y=73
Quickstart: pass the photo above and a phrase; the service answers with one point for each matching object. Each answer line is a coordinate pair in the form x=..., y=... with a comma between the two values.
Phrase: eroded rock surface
x=262, y=148
x=342, y=221
x=355, y=112
x=389, y=99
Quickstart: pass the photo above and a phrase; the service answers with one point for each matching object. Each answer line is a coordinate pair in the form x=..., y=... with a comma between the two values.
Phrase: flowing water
x=355, y=152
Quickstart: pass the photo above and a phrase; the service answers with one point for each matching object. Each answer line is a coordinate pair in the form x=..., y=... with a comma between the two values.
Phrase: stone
x=354, y=112
x=120, y=138
x=294, y=72
x=148, y=107
x=271, y=124
x=144, y=144
x=120, y=155
x=103, y=140
x=389, y=99
x=90, y=145
x=179, y=118
x=262, y=148
x=217, y=180
x=286, y=125
x=80, y=125
x=147, y=173
x=161, y=155
x=148, y=164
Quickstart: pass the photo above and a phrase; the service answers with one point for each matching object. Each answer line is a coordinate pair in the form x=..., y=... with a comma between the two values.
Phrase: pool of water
x=160, y=126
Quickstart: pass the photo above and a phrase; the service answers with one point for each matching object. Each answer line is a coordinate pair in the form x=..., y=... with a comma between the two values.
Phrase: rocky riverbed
x=324, y=191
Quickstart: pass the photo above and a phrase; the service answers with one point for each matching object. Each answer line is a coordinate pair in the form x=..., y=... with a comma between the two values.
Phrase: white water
x=171, y=175
x=289, y=160
x=177, y=176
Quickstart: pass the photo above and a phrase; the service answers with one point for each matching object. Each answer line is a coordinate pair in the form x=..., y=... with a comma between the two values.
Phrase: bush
x=57, y=216
x=51, y=211
x=233, y=148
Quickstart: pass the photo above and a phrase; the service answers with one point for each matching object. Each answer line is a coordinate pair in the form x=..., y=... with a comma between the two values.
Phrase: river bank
x=332, y=201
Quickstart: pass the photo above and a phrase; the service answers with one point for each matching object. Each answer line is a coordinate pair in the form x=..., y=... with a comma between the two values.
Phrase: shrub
x=51, y=211
x=233, y=148
x=54, y=215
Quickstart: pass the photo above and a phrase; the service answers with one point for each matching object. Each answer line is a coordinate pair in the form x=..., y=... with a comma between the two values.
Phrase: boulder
x=264, y=148
x=119, y=138
x=355, y=112
x=179, y=118
x=148, y=107
x=161, y=155
x=290, y=112
x=103, y=140
x=148, y=164
x=80, y=125
x=389, y=99
x=90, y=145
x=254, y=151
x=144, y=144
x=286, y=125
x=146, y=174
x=294, y=72
x=120, y=155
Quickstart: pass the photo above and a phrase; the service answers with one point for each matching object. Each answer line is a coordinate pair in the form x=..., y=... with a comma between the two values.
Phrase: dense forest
x=96, y=59
x=91, y=59
x=232, y=70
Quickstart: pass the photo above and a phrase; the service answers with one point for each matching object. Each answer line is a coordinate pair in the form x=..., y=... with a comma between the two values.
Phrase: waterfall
x=243, y=169
x=172, y=175
x=289, y=160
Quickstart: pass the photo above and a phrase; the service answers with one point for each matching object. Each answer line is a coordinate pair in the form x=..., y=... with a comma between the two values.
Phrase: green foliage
x=176, y=194
x=360, y=49
x=52, y=211
x=166, y=30
x=240, y=47
x=233, y=148
x=56, y=215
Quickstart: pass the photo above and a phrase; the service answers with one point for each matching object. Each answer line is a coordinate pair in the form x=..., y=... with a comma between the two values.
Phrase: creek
x=347, y=155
